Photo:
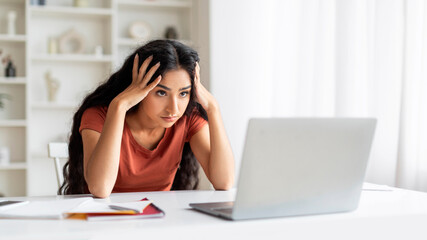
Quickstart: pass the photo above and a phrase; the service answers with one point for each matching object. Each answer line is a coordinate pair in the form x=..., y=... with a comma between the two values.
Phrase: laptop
x=299, y=166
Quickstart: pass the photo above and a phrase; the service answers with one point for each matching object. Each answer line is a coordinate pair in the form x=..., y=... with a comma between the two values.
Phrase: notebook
x=299, y=166
x=84, y=208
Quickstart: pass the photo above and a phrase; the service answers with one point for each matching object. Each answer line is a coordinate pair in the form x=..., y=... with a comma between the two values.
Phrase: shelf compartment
x=14, y=106
x=13, y=182
x=158, y=20
x=14, y=138
x=17, y=53
x=17, y=6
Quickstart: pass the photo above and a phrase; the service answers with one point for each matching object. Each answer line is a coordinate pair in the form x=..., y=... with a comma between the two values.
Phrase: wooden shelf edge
x=73, y=58
x=13, y=38
x=13, y=123
x=14, y=166
x=88, y=11
x=54, y=105
x=13, y=80
x=160, y=4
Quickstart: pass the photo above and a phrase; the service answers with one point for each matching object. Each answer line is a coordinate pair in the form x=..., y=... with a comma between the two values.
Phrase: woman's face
x=167, y=102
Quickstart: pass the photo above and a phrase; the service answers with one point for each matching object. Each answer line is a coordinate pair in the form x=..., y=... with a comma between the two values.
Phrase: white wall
x=239, y=57
x=293, y=58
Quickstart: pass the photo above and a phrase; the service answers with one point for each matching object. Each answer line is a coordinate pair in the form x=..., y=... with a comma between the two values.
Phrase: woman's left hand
x=204, y=97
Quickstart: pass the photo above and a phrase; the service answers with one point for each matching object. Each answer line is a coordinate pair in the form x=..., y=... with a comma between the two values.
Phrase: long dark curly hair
x=171, y=55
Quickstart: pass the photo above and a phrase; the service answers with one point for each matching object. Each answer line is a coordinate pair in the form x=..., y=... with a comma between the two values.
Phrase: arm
x=102, y=150
x=210, y=145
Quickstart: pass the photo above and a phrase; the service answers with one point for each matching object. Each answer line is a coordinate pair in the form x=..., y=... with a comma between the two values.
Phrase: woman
x=131, y=133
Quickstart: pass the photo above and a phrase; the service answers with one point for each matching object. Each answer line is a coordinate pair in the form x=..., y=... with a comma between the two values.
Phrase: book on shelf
x=84, y=208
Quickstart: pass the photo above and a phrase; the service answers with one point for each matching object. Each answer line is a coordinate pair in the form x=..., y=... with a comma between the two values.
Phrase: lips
x=170, y=119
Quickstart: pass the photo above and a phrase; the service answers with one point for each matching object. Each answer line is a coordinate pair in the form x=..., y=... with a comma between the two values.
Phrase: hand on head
x=204, y=97
x=139, y=89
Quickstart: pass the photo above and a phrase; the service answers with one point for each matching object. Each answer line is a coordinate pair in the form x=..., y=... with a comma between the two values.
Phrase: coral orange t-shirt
x=141, y=169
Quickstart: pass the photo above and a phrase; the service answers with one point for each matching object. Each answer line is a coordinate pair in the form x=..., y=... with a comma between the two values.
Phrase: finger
x=150, y=74
x=135, y=68
x=152, y=85
x=197, y=75
x=144, y=67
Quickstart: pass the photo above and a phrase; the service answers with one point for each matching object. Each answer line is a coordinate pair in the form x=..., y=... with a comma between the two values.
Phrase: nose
x=172, y=107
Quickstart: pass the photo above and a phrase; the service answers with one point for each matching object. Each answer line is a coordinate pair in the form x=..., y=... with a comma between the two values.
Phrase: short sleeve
x=93, y=118
x=195, y=123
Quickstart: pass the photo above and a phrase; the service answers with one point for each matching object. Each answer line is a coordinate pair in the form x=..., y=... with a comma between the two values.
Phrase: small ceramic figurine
x=71, y=42
x=53, y=45
x=81, y=3
x=10, y=70
x=4, y=156
x=171, y=33
x=52, y=87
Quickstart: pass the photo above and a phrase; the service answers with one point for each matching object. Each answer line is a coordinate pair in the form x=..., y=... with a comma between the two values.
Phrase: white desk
x=397, y=214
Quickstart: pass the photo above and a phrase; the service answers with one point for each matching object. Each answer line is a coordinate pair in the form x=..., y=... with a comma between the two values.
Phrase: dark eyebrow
x=164, y=87
x=184, y=88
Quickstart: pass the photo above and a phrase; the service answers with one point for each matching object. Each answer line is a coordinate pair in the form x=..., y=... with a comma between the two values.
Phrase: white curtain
x=412, y=151
x=329, y=58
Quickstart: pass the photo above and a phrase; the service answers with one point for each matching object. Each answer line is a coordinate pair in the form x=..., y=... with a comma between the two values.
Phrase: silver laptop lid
x=302, y=166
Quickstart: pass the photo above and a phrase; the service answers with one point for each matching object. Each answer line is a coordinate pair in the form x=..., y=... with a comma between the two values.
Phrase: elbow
x=224, y=185
x=223, y=188
x=99, y=191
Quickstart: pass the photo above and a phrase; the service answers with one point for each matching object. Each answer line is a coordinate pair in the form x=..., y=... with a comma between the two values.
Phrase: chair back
x=56, y=151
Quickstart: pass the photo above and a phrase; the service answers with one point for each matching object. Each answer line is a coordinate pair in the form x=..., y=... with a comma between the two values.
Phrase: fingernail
x=136, y=55
x=157, y=64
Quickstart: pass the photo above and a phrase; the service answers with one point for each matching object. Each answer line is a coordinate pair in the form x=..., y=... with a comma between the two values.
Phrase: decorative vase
x=81, y=3
x=53, y=45
x=11, y=22
x=171, y=33
x=99, y=51
x=4, y=156
x=52, y=87
x=10, y=70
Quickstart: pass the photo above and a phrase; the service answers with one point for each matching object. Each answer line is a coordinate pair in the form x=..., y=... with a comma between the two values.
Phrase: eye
x=183, y=94
x=161, y=93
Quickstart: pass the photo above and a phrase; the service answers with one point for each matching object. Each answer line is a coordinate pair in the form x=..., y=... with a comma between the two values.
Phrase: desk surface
x=396, y=214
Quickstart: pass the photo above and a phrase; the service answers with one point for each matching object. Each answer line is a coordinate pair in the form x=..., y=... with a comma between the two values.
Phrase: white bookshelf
x=14, y=117
x=30, y=121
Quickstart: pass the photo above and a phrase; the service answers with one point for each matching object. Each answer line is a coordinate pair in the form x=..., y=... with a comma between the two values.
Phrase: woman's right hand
x=138, y=89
